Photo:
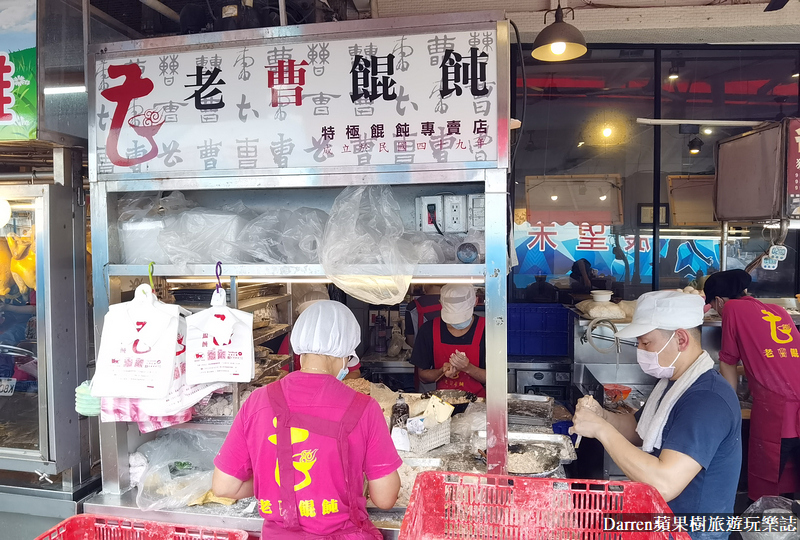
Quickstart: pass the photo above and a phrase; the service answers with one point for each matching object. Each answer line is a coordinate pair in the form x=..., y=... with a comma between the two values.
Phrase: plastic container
x=540, y=330
x=446, y=505
x=93, y=527
x=601, y=296
x=433, y=438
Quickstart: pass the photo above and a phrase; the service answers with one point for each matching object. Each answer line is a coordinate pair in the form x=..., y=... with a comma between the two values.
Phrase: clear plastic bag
x=770, y=507
x=303, y=235
x=262, y=238
x=202, y=235
x=428, y=250
x=142, y=216
x=363, y=251
x=180, y=465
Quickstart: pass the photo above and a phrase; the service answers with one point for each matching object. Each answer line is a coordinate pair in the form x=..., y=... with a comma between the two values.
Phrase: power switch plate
x=424, y=221
x=455, y=213
x=476, y=210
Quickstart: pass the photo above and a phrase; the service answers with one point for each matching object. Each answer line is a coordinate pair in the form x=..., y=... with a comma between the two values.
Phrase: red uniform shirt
x=765, y=339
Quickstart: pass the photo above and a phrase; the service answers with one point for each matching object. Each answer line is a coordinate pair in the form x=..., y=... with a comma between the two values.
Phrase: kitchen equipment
x=545, y=376
x=529, y=409
x=379, y=331
x=562, y=442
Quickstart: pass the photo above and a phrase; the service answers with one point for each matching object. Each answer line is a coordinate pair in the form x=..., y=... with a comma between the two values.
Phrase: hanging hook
x=219, y=274
x=150, y=274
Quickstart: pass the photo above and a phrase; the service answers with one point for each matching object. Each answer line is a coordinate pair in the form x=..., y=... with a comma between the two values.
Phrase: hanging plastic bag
x=363, y=252
x=220, y=344
x=180, y=465
x=181, y=395
x=202, y=235
x=428, y=251
x=263, y=237
x=303, y=235
x=137, y=348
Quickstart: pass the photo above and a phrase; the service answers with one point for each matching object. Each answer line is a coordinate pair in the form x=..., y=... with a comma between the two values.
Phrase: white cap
x=329, y=328
x=666, y=310
x=310, y=298
x=458, y=303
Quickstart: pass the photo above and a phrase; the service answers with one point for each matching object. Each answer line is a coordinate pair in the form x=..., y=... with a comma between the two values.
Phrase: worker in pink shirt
x=309, y=299
x=764, y=337
x=303, y=445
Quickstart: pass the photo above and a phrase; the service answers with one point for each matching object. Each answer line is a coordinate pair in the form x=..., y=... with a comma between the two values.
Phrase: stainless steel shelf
x=261, y=335
x=207, y=423
x=251, y=305
x=279, y=272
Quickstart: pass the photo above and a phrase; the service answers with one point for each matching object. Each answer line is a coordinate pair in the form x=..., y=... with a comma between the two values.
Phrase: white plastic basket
x=431, y=438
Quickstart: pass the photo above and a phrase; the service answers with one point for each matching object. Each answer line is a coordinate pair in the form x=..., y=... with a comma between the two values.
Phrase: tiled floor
x=24, y=527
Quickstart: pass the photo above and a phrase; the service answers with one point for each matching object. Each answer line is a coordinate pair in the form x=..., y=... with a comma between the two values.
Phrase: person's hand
x=449, y=371
x=589, y=403
x=585, y=422
x=459, y=360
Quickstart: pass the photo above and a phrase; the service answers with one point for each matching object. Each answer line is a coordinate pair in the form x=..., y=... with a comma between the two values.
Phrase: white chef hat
x=309, y=299
x=326, y=327
x=458, y=303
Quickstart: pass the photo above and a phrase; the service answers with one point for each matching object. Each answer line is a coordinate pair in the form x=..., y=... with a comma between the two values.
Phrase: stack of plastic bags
x=141, y=365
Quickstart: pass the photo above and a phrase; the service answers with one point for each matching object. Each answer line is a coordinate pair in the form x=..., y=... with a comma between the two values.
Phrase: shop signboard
x=397, y=100
x=18, y=88
x=793, y=168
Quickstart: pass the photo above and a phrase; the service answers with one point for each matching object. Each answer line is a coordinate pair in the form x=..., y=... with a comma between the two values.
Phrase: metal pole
x=36, y=177
x=282, y=12
x=723, y=248
x=656, y=249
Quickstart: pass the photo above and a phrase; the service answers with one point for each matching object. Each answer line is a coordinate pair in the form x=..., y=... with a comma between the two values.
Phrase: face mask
x=344, y=371
x=648, y=361
x=462, y=325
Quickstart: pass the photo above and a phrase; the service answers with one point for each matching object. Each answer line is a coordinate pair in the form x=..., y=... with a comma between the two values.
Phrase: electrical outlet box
x=455, y=213
x=476, y=211
x=425, y=221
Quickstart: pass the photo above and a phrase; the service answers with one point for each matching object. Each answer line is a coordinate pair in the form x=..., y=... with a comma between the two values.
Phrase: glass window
x=19, y=388
x=583, y=164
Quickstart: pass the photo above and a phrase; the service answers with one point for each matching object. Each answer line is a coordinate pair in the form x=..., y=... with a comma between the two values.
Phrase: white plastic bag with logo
x=220, y=344
x=363, y=251
x=181, y=394
x=137, y=348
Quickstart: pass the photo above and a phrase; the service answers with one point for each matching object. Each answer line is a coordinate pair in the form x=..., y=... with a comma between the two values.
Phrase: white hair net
x=326, y=327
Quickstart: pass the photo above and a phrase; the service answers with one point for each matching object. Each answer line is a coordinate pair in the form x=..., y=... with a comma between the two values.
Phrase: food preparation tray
x=530, y=410
x=566, y=449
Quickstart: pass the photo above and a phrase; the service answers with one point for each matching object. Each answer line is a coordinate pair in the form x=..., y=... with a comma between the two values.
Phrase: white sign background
x=248, y=132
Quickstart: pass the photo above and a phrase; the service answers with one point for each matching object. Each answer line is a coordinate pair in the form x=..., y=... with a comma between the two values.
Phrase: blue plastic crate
x=540, y=330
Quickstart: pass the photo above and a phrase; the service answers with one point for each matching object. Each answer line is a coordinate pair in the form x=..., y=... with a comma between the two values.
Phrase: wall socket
x=455, y=213
x=424, y=222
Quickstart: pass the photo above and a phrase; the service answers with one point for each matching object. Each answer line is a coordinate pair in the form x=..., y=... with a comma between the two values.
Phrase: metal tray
x=563, y=442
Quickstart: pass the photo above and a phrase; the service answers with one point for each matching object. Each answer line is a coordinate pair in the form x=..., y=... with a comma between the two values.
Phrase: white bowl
x=601, y=296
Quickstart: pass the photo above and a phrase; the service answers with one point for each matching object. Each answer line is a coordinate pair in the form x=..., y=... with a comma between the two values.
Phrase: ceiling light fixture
x=559, y=41
x=603, y=197
x=708, y=131
x=673, y=73
x=796, y=74
x=607, y=132
x=695, y=145
x=580, y=143
x=553, y=197
x=52, y=90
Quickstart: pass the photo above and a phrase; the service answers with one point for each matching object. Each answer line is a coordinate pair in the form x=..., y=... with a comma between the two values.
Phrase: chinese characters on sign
x=793, y=166
x=375, y=101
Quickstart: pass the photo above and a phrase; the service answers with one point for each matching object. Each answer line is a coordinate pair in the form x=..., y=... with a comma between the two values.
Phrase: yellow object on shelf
x=209, y=497
x=6, y=278
x=23, y=261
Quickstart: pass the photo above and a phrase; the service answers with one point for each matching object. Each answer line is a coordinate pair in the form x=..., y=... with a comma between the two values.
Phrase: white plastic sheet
x=363, y=251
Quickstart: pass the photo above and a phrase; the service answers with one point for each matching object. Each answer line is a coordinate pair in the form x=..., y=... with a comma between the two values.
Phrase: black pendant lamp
x=559, y=41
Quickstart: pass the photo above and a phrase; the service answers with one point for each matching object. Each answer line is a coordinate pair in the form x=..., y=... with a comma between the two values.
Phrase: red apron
x=335, y=430
x=443, y=351
x=424, y=310
x=764, y=449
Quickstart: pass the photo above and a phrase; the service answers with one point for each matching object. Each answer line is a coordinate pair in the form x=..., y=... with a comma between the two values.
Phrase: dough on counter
x=601, y=310
x=359, y=385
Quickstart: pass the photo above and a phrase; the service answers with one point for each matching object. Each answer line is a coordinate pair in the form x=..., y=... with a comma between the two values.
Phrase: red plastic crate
x=447, y=505
x=93, y=527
